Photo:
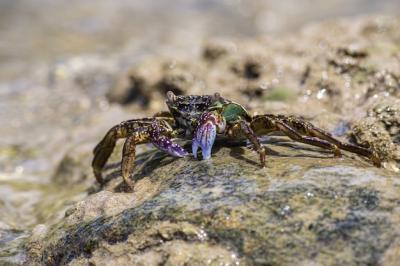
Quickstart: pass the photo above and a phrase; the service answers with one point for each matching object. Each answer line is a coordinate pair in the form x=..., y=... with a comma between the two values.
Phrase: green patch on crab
x=233, y=111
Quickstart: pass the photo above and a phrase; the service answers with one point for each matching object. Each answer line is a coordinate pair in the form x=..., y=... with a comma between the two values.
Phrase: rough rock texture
x=381, y=131
x=303, y=207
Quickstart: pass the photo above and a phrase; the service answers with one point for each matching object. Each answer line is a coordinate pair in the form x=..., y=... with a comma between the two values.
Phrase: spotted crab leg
x=303, y=131
x=294, y=135
x=241, y=128
x=322, y=134
x=105, y=147
x=156, y=134
x=129, y=155
x=136, y=131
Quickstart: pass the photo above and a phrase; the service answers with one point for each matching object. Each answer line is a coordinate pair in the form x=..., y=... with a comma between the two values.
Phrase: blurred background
x=58, y=60
x=45, y=30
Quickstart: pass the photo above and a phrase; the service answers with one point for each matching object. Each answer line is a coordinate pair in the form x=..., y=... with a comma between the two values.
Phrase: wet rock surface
x=302, y=208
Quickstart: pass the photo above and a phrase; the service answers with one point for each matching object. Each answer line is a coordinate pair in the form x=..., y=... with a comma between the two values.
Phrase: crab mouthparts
x=204, y=138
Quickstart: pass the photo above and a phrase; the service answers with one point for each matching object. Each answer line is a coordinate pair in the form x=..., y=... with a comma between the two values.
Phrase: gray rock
x=304, y=207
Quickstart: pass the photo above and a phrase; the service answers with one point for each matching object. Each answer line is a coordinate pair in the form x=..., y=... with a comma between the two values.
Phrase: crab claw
x=206, y=133
x=170, y=147
x=204, y=138
x=165, y=143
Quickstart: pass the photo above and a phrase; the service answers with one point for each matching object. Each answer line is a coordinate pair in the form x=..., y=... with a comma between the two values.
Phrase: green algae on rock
x=303, y=207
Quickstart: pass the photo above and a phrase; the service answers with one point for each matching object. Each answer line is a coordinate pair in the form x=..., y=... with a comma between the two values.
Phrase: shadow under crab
x=203, y=118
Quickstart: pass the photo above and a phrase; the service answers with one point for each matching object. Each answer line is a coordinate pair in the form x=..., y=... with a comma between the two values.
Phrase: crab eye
x=171, y=96
x=217, y=96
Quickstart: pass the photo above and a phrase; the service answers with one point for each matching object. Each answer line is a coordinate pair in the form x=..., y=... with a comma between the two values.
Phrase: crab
x=203, y=118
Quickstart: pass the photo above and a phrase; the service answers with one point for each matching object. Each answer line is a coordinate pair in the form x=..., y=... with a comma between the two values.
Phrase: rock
x=149, y=82
x=304, y=207
x=384, y=82
x=380, y=131
x=388, y=113
x=70, y=169
x=136, y=84
x=216, y=49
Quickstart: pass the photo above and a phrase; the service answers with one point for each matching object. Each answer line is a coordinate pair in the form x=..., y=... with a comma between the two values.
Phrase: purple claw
x=166, y=144
x=195, y=146
x=170, y=147
x=205, y=136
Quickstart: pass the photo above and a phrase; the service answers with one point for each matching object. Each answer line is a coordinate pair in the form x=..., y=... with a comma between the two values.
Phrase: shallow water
x=44, y=30
x=48, y=102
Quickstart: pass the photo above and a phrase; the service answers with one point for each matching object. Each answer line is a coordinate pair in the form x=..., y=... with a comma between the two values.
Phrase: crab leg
x=319, y=133
x=295, y=128
x=311, y=130
x=294, y=135
x=243, y=128
x=129, y=155
x=105, y=147
x=155, y=134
